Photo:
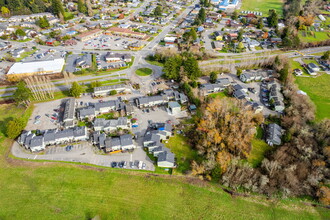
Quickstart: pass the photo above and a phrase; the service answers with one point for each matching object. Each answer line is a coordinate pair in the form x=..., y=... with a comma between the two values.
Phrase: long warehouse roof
x=55, y=65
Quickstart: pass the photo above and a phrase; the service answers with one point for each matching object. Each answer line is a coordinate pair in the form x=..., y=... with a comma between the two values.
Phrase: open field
x=143, y=72
x=318, y=90
x=262, y=6
x=319, y=36
x=37, y=190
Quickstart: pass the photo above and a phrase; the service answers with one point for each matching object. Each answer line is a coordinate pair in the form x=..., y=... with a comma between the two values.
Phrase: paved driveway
x=84, y=153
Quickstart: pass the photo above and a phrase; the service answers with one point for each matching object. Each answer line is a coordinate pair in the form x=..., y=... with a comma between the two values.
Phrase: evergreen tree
x=81, y=6
x=260, y=24
x=272, y=18
x=213, y=77
x=240, y=35
x=22, y=94
x=191, y=68
x=43, y=22
x=284, y=72
x=20, y=32
x=326, y=55
x=14, y=128
x=158, y=11
x=57, y=8
x=172, y=68
x=193, y=34
x=76, y=90
x=202, y=15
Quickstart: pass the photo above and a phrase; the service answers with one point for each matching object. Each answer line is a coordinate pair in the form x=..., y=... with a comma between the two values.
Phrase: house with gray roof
x=209, y=88
x=37, y=144
x=88, y=112
x=166, y=159
x=109, y=144
x=255, y=75
x=105, y=90
x=150, y=101
x=223, y=82
x=111, y=125
x=104, y=107
x=152, y=141
x=274, y=134
x=69, y=112
x=112, y=144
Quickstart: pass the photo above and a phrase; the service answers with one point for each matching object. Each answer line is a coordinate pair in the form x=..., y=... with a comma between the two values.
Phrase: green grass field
x=318, y=90
x=183, y=152
x=143, y=72
x=259, y=148
x=262, y=6
x=319, y=36
x=42, y=190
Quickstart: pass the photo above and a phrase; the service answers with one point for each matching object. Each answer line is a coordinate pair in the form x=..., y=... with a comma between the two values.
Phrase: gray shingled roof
x=166, y=156
x=79, y=131
x=69, y=109
x=126, y=140
x=67, y=133
x=109, y=88
x=86, y=112
x=36, y=141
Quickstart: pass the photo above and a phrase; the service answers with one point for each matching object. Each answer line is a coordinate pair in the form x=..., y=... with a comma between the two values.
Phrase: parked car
x=124, y=164
x=69, y=148
x=36, y=122
x=135, y=126
x=121, y=164
x=252, y=90
x=114, y=164
x=37, y=117
x=143, y=166
x=47, y=115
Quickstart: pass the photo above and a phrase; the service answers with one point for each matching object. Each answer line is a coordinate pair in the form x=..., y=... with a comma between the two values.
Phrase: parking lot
x=255, y=96
x=159, y=114
x=85, y=152
x=102, y=64
x=108, y=42
x=44, y=122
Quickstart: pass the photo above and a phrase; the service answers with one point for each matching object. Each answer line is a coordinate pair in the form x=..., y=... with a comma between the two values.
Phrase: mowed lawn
x=318, y=36
x=262, y=6
x=41, y=190
x=143, y=71
x=318, y=90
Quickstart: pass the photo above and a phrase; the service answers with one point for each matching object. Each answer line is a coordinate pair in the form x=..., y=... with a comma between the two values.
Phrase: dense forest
x=18, y=7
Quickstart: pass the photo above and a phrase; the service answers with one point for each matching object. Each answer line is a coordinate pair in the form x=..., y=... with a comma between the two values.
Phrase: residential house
x=218, y=45
x=69, y=112
x=174, y=107
x=255, y=75
x=150, y=101
x=105, y=90
x=209, y=88
x=274, y=134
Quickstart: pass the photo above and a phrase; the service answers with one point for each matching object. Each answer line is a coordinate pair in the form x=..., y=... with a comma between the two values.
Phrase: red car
x=53, y=118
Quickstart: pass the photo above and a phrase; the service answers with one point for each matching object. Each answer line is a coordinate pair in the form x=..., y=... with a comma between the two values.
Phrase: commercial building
x=89, y=35
x=126, y=33
x=24, y=69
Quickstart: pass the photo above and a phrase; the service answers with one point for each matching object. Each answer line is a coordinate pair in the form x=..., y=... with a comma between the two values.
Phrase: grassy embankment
x=37, y=190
